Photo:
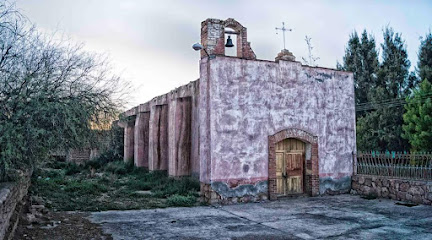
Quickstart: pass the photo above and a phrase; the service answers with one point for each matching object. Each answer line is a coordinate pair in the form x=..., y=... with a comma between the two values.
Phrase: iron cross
x=283, y=29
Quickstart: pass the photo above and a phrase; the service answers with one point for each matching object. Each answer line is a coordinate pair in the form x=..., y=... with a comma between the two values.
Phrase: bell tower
x=213, y=33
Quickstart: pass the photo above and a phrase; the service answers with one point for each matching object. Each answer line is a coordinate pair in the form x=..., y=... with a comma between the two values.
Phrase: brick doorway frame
x=303, y=136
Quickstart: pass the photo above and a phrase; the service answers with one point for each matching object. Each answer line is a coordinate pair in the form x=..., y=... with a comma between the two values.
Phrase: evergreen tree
x=381, y=129
x=418, y=118
x=424, y=66
x=393, y=73
x=361, y=58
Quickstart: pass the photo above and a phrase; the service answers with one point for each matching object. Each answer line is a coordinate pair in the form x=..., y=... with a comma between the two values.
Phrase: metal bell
x=229, y=42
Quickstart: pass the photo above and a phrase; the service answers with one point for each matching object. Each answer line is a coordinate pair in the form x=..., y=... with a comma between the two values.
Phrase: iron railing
x=395, y=164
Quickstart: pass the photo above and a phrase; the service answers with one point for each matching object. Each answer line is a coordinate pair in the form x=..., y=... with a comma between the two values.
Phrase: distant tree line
x=393, y=105
x=52, y=92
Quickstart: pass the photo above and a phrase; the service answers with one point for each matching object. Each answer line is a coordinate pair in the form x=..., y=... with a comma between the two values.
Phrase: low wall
x=11, y=196
x=415, y=191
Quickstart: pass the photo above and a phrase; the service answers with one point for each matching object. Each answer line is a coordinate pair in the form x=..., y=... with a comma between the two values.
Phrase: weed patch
x=181, y=201
x=114, y=186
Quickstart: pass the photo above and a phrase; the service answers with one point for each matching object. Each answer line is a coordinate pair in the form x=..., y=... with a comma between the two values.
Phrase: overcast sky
x=150, y=41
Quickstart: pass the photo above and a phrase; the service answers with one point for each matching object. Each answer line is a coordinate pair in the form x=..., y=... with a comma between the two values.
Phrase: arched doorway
x=293, y=152
x=290, y=167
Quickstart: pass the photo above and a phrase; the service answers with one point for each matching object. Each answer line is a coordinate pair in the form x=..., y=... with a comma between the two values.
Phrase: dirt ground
x=60, y=225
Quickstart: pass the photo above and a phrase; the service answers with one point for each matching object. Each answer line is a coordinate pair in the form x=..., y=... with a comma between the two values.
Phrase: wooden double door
x=290, y=155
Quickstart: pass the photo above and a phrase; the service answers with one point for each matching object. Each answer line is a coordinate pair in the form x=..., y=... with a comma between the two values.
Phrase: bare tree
x=310, y=60
x=52, y=92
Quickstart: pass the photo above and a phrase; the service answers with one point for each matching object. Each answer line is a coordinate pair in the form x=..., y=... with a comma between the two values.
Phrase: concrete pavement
x=329, y=217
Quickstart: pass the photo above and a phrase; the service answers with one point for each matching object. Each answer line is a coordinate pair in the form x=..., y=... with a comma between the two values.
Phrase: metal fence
x=395, y=164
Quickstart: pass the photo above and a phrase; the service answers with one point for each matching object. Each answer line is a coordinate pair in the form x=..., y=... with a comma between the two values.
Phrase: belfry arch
x=310, y=168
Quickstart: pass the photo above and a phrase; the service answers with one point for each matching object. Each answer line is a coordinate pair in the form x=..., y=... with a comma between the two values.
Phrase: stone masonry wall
x=415, y=191
x=11, y=196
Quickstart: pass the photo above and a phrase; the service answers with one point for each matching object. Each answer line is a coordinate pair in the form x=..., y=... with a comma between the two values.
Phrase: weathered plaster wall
x=158, y=142
x=195, y=161
x=129, y=141
x=180, y=137
x=204, y=122
x=165, y=132
x=141, y=139
x=245, y=101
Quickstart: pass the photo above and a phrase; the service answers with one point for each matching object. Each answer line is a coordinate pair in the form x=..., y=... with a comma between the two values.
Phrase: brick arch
x=213, y=38
x=301, y=135
x=232, y=23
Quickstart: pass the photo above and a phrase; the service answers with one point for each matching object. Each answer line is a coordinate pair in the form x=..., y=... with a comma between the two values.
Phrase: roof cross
x=283, y=29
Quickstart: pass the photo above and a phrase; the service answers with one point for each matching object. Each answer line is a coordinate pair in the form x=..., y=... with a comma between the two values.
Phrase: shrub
x=102, y=160
x=72, y=168
x=56, y=164
x=181, y=201
x=52, y=173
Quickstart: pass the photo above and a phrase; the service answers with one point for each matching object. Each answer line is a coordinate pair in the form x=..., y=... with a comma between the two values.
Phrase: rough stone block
x=385, y=182
x=355, y=186
x=378, y=183
x=401, y=195
x=368, y=182
x=385, y=192
x=366, y=190
x=214, y=195
x=404, y=187
x=377, y=191
x=361, y=180
x=409, y=197
x=416, y=190
x=417, y=199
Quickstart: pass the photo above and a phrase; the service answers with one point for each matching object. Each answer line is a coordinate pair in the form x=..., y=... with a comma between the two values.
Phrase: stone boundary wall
x=11, y=203
x=415, y=191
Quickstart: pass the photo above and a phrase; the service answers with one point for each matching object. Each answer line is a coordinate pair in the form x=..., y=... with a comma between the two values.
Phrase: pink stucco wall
x=162, y=134
x=242, y=102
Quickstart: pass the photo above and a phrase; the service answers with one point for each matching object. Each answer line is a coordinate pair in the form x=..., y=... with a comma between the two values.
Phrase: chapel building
x=249, y=129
